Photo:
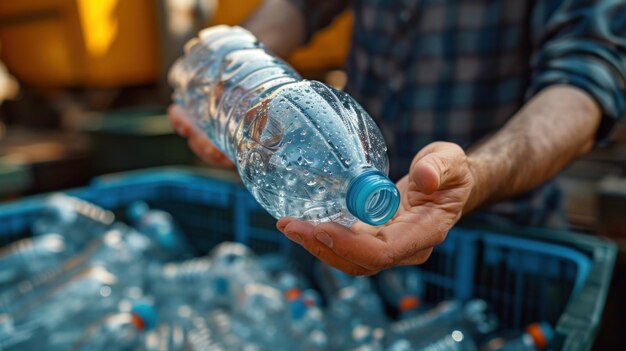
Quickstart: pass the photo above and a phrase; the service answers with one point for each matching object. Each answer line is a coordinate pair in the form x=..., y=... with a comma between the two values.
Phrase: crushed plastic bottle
x=62, y=310
x=160, y=226
x=402, y=288
x=303, y=149
x=449, y=326
x=31, y=256
x=357, y=316
x=122, y=331
x=77, y=220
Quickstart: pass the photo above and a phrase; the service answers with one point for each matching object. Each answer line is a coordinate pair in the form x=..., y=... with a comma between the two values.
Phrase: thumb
x=437, y=166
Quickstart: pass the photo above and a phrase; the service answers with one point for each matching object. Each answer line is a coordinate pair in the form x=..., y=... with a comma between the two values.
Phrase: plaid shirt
x=429, y=70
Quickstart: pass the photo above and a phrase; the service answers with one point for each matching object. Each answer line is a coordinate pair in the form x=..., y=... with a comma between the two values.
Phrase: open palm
x=433, y=196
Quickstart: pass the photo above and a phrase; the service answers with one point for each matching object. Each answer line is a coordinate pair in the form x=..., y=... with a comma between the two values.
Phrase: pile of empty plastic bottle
x=86, y=281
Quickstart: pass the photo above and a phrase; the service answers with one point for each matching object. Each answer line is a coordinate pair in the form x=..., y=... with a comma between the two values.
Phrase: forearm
x=279, y=25
x=551, y=130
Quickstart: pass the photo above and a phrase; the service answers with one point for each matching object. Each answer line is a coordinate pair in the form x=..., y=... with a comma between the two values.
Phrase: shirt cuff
x=590, y=68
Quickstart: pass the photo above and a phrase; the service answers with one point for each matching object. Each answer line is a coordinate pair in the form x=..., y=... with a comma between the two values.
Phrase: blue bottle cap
x=547, y=331
x=298, y=309
x=136, y=210
x=146, y=316
x=372, y=198
x=221, y=285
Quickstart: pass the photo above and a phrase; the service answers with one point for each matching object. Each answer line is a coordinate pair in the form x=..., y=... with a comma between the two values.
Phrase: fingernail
x=295, y=237
x=324, y=238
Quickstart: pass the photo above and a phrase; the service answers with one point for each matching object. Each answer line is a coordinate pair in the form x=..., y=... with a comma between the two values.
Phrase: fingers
x=179, y=121
x=363, y=249
x=196, y=139
x=401, y=243
x=303, y=234
x=437, y=166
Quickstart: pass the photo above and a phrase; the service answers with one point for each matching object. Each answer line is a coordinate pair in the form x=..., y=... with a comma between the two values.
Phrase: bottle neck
x=372, y=197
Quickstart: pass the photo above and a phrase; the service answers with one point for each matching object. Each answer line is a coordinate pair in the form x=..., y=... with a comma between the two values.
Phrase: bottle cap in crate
x=409, y=303
x=542, y=334
x=144, y=316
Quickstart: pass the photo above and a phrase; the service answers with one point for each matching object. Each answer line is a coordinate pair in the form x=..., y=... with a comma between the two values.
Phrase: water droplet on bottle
x=311, y=182
x=283, y=160
x=291, y=179
x=305, y=172
x=303, y=132
x=321, y=189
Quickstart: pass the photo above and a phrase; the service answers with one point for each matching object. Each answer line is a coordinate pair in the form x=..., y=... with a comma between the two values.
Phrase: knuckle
x=317, y=251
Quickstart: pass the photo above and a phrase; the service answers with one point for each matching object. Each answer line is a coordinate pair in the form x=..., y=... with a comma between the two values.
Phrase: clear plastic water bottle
x=120, y=331
x=449, y=326
x=331, y=280
x=84, y=297
x=399, y=345
x=366, y=338
x=78, y=221
x=233, y=334
x=121, y=252
x=402, y=288
x=445, y=313
x=160, y=226
x=307, y=324
x=350, y=297
x=216, y=330
x=264, y=307
x=356, y=314
x=292, y=284
x=303, y=149
x=537, y=336
x=169, y=336
x=31, y=256
x=188, y=282
x=457, y=339
x=233, y=266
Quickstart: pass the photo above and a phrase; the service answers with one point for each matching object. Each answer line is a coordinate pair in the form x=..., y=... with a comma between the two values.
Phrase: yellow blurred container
x=327, y=50
x=98, y=43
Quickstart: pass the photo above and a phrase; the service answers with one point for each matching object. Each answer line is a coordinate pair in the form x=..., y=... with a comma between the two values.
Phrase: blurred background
x=84, y=84
x=83, y=92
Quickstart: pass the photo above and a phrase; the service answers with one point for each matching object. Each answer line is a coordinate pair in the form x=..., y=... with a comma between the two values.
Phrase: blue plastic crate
x=533, y=276
x=526, y=275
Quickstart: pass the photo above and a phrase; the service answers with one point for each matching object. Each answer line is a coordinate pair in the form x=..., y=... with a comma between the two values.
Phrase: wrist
x=478, y=193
